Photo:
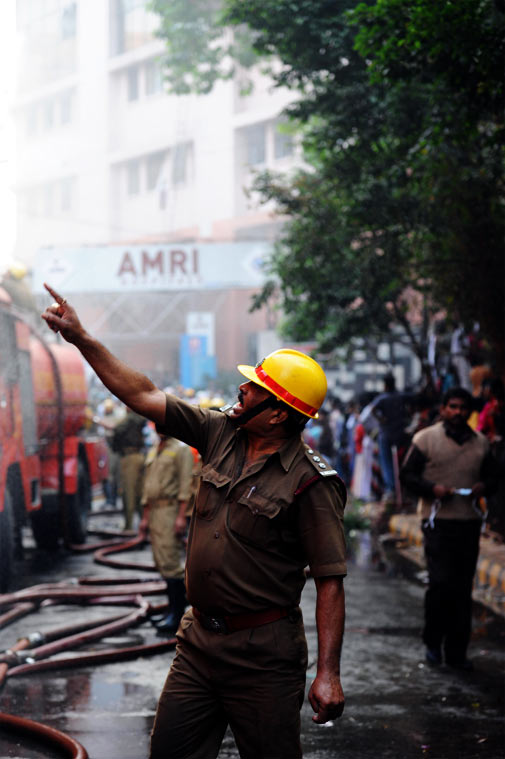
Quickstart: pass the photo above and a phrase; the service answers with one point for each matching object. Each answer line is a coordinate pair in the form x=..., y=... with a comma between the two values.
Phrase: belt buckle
x=217, y=625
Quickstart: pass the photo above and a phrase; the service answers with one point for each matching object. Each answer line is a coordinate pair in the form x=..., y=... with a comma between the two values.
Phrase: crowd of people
x=447, y=451
x=366, y=439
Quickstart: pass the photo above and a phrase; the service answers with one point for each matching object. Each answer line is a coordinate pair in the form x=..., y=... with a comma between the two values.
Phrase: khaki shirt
x=168, y=473
x=251, y=536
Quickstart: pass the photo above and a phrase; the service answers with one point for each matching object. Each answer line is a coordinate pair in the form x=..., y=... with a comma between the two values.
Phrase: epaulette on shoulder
x=323, y=470
x=319, y=464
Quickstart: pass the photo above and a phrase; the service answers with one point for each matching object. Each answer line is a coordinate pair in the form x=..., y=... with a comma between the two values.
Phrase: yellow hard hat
x=17, y=270
x=293, y=377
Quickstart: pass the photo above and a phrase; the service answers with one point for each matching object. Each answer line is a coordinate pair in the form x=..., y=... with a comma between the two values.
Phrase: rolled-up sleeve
x=321, y=524
x=189, y=423
x=185, y=461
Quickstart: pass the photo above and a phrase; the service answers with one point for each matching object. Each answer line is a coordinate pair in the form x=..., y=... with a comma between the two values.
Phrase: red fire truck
x=49, y=466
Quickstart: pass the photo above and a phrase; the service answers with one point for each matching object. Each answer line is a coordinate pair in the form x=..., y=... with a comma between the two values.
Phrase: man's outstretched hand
x=62, y=318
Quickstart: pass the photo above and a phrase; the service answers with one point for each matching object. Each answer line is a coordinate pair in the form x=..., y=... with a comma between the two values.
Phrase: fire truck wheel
x=6, y=542
x=46, y=525
x=79, y=506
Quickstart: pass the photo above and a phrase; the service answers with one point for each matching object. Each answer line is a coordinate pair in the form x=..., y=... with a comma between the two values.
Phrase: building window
x=154, y=81
x=283, y=143
x=133, y=25
x=154, y=166
x=31, y=203
x=26, y=12
x=50, y=199
x=49, y=114
x=162, y=194
x=255, y=143
x=133, y=177
x=133, y=83
x=48, y=193
x=69, y=22
x=66, y=101
x=31, y=121
x=180, y=159
x=66, y=194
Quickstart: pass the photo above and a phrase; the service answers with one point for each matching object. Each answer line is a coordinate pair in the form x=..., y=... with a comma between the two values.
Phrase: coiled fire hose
x=32, y=652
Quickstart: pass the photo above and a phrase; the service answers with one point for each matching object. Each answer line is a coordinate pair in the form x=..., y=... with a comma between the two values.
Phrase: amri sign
x=115, y=268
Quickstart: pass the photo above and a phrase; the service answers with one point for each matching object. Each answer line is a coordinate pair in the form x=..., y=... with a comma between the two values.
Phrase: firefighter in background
x=109, y=414
x=128, y=443
x=168, y=483
x=14, y=282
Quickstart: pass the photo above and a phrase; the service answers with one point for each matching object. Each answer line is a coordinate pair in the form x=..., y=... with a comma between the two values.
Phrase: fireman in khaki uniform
x=128, y=442
x=168, y=479
x=267, y=506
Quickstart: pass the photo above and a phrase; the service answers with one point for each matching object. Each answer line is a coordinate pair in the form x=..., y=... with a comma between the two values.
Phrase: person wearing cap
x=14, y=281
x=108, y=416
x=128, y=443
x=267, y=506
x=168, y=479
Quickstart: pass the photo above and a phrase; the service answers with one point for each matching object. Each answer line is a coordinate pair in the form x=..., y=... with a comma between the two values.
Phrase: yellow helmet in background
x=18, y=270
x=293, y=377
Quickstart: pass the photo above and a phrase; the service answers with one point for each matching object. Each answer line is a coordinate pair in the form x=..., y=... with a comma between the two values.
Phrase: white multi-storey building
x=107, y=157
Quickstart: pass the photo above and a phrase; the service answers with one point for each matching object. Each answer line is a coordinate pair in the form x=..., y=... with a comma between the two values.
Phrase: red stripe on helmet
x=284, y=394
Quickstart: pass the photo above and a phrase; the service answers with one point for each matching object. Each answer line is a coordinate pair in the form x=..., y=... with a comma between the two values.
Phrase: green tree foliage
x=452, y=54
x=400, y=107
x=200, y=49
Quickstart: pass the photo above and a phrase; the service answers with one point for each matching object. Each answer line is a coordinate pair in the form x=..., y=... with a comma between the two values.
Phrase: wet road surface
x=397, y=707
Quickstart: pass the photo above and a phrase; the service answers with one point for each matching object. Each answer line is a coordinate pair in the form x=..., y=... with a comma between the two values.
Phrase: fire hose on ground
x=33, y=652
x=46, y=734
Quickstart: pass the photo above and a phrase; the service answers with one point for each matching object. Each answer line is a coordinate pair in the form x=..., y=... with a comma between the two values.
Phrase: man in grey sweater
x=450, y=467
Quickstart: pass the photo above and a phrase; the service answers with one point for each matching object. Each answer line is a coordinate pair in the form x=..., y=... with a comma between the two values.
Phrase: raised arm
x=130, y=386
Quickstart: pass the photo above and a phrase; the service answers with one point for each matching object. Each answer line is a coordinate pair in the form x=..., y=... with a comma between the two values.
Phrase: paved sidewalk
x=489, y=586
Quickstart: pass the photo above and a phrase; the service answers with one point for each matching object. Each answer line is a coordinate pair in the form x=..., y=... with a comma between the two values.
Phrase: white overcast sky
x=7, y=73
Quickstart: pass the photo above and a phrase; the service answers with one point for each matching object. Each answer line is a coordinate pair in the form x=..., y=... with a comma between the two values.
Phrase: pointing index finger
x=58, y=298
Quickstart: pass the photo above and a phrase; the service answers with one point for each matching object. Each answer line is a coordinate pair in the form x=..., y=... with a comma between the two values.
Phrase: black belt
x=235, y=622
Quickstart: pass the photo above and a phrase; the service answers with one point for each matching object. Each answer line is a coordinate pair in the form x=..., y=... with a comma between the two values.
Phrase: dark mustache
x=240, y=397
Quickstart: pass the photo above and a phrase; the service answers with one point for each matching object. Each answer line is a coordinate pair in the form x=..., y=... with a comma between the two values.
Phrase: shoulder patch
x=319, y=464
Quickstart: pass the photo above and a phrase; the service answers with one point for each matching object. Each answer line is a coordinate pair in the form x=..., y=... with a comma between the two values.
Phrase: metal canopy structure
x=144, y=328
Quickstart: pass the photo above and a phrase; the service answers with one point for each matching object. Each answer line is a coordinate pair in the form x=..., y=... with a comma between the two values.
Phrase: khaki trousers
x=166, y=546
x=132, y=468
x=252, y=680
